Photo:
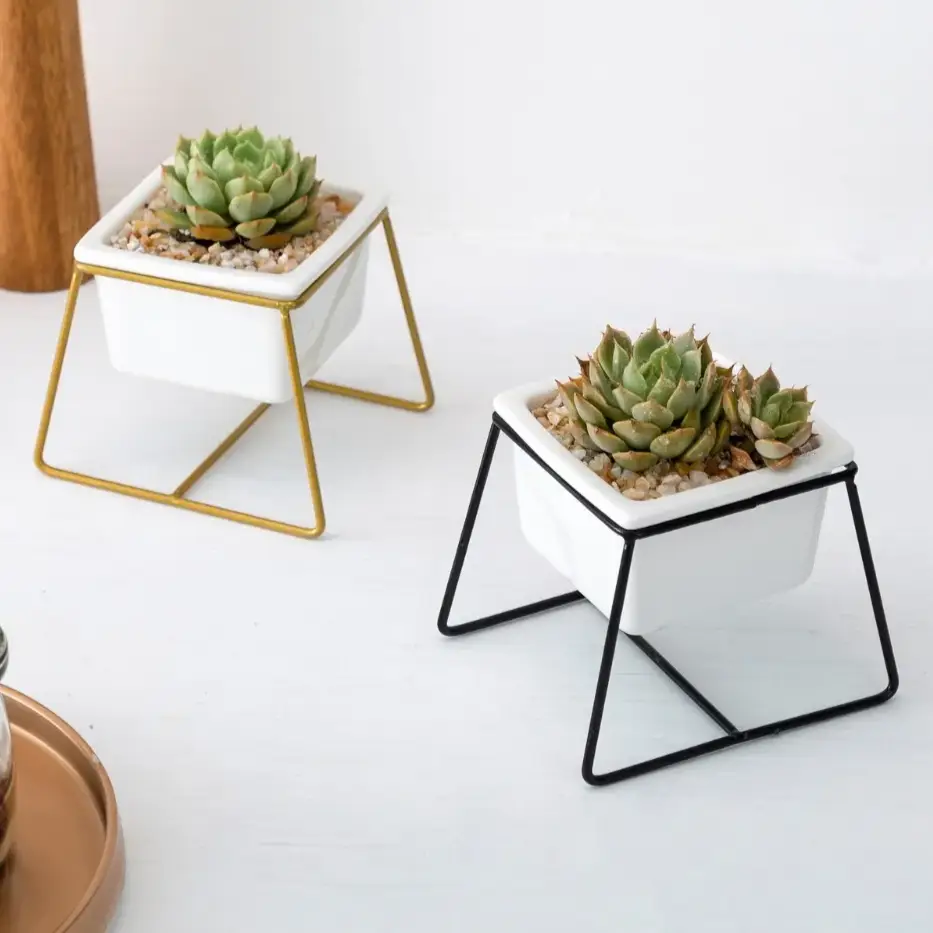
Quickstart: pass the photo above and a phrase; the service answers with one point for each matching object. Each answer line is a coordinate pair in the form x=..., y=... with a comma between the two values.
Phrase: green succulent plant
x=657, y=398
x=241, y=184
x=774, y=421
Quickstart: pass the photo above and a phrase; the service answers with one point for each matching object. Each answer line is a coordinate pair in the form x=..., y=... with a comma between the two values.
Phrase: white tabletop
x=295, y=747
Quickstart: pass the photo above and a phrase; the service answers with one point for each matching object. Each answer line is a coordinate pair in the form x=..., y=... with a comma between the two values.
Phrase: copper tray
x=67, y=868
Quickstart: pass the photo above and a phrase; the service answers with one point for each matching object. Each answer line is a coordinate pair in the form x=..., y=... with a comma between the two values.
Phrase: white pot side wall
x=218, y=344
x=769, y=549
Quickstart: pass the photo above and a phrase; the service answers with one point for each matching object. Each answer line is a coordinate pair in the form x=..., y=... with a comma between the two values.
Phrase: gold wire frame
x=177, y=497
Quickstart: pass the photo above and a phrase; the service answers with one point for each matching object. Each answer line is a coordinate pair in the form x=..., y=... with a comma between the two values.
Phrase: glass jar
x=6, y=769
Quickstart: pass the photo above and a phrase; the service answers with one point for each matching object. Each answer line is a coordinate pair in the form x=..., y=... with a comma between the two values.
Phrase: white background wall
x=796, y=131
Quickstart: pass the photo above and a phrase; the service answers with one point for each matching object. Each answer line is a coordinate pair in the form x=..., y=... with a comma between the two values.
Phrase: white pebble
x=666, y=489
x=684, y=485
x=699, y=478
x=599, y=463
x=579, y=453
x=264, y=253
x=629, y=475
x=637, y=494
x=616, y=471
x=642, y=483
x=672, y=479
x=553, y=417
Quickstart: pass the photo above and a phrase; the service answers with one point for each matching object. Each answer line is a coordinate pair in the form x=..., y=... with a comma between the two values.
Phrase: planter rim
x=94, y=248
x=514, y=405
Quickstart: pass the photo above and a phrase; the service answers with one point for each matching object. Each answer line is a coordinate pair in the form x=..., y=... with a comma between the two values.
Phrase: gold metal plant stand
x=177, y=497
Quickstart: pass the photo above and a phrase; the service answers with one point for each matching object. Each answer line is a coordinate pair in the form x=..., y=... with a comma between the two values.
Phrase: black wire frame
x=733, y=735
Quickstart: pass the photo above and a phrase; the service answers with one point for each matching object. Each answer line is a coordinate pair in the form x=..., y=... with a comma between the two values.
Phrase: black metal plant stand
x=733, y=735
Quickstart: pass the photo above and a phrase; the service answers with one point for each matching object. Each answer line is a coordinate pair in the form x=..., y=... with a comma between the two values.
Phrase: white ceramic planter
x=218, y=344
x=752, y=554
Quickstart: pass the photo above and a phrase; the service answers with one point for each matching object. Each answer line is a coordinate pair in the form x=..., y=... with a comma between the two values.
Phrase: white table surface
x=295, y=747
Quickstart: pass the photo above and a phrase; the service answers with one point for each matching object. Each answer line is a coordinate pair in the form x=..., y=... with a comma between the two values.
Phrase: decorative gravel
x=666, y=478
x=145, y=233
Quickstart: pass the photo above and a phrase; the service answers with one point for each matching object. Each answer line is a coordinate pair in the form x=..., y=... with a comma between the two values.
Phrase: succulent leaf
x=662, y=390
x=625, y=399
x=783, y=431
x=240, y=185
x=745, y=408
x=654, y=412
x=589, y=413
x=685, y=342
x=692, y=419
x=690, y=366
x=637, y=434
x=597, y=376
x=255, y=228
x=761, y=429
x=269, y=174
x=204, y=190
x=253, y=136
x=706, y=388
x=247, y=153
x=741, y=459
x=225, y=166
x=632, y=379
x=682, y=399
x=292, y=211
x=646, y=344
x=306, y=169
x=773, y=450
x=636, y=460
x=567, y=390
x=605, y=441
x=176, y=188
x=713, y=410
x=177, y=220
x=702, y=446
x=202, y=217
x=673, y=443
x=799, y=411
x=706, y=354
x=723, y=431
x=217, y=234
x=181, y=165
x=250, y=206
x=801, y=436
x=767, y=384
x=730, y=406
x=305, y=224
x=206, y=147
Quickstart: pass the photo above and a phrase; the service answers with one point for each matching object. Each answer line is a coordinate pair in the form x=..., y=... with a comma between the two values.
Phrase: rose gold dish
x=67, y=866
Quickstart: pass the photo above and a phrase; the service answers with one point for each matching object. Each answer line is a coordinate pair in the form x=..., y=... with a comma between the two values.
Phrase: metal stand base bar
x=178, y=497
x=734, y=735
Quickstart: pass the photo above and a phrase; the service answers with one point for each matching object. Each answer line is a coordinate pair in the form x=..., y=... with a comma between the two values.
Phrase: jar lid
x=4, y=654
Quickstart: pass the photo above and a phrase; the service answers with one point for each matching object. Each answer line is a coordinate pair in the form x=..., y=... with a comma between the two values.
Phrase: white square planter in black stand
x=509, y=419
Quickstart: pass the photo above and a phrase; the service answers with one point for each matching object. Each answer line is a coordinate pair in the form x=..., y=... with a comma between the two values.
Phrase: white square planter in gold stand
x=249, y=334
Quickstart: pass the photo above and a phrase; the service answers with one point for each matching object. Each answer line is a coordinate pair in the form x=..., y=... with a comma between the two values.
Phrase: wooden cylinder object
x=48, y=192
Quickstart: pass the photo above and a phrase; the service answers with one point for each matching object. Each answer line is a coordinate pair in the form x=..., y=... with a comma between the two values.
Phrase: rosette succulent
x=774, y=421
x=241, y=184
x=657, y=398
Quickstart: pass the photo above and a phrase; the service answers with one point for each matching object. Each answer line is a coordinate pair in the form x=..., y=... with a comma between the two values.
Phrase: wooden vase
x=48, y=191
